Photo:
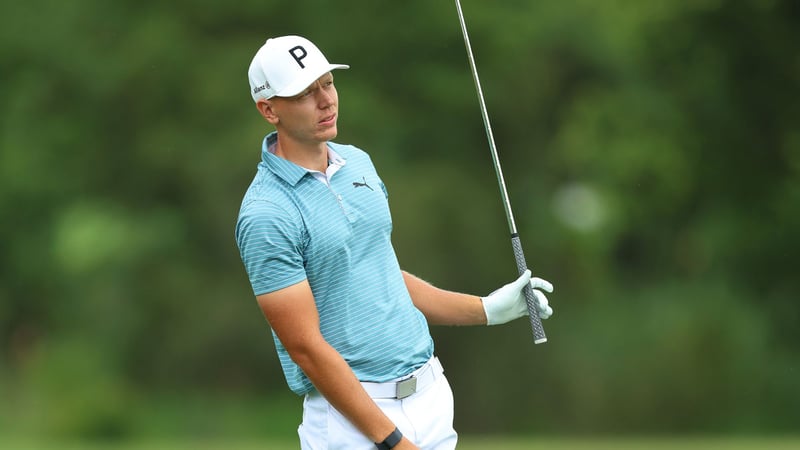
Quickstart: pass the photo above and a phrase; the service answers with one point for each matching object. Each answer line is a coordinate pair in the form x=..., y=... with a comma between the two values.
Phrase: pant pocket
x=343, y=435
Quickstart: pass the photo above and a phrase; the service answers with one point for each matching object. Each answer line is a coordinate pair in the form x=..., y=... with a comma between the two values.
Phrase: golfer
x=314, y=233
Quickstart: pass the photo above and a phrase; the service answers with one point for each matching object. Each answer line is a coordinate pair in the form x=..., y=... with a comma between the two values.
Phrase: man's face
x=310, y=116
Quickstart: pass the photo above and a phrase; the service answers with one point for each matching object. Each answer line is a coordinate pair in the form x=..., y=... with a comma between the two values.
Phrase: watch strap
x=391, y=441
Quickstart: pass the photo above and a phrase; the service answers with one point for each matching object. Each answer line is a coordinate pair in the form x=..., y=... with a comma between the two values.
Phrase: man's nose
x=324, y=98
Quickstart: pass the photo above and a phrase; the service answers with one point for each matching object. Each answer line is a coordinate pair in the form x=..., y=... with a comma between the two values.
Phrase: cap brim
x=300, y=84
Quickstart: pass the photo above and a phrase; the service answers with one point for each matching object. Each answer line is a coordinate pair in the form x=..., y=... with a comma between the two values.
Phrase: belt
x=404, y=387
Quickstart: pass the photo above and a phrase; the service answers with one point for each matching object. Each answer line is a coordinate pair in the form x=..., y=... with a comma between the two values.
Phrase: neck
x=313, y=156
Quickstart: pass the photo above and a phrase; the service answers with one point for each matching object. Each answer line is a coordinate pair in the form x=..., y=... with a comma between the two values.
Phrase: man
x=350, y=327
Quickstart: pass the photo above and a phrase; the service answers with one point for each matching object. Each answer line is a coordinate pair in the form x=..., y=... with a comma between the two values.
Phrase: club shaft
x=536, y=323
x=485, y=114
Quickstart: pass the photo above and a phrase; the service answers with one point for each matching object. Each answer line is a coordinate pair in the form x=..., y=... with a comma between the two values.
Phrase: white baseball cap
x=285, y=66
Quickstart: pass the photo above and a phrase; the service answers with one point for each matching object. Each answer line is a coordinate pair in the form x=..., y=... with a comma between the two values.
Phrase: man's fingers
x=520, y=282
x=543, y=306
x=538, y=283
x=541, y=300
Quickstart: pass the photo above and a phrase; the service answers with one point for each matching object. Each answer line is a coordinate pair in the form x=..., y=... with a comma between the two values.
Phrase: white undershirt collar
x=335, y=162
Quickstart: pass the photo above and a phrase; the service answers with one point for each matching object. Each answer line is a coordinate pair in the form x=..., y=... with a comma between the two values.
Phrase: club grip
x=536, y=323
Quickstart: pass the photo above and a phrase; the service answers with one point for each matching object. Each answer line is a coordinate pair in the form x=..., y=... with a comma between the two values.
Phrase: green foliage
x=650, y=149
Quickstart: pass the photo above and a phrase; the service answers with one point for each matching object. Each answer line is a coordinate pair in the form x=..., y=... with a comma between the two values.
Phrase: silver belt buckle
x=406, y=387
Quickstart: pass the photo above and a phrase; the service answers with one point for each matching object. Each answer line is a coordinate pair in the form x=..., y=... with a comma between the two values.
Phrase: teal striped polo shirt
x=292, y=227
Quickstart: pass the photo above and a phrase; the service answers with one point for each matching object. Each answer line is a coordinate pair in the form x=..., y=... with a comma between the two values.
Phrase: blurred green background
x=651, y=152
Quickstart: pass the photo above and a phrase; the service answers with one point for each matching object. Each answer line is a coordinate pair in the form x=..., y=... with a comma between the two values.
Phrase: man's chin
x=329, y=133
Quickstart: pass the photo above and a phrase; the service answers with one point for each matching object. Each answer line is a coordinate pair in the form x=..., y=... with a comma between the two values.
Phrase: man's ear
x=265, y=108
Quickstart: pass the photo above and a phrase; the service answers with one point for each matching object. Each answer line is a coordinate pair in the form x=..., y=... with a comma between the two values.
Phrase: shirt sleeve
x=270, y=241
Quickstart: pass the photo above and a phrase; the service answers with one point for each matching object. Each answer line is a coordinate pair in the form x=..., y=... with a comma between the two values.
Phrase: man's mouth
x=328, y=120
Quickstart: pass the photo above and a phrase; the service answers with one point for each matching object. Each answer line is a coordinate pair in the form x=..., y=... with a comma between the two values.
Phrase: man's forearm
x=442, y=307
x=335, y=380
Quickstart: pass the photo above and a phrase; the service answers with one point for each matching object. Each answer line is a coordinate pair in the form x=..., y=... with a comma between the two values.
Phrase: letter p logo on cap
x=298, y=53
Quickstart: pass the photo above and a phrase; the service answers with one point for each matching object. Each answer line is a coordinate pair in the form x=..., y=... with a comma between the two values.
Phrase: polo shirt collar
x=287, y=170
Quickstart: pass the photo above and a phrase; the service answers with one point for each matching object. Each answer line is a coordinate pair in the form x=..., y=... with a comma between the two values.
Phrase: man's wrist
x=391, y=441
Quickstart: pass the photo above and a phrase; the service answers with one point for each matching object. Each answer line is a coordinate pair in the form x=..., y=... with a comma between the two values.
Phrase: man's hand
x=508, y=302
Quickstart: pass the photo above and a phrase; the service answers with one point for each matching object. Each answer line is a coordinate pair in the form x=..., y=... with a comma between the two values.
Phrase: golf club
x=536, y=323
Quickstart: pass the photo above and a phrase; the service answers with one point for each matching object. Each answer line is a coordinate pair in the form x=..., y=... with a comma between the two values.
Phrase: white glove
x=508, y=302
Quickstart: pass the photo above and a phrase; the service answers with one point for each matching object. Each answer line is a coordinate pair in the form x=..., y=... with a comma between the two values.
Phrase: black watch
x=390, y=441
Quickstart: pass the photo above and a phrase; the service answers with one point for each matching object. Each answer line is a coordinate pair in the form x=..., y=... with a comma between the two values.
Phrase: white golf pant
x=424, y=417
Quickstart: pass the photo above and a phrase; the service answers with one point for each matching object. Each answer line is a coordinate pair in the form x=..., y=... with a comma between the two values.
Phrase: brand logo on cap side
x=258, y=89
x=298, y=53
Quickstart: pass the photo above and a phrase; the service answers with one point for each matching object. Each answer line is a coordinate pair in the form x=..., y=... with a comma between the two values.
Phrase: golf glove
x=508, y=302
